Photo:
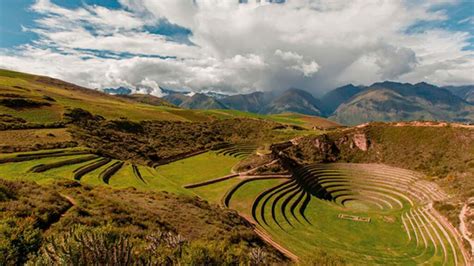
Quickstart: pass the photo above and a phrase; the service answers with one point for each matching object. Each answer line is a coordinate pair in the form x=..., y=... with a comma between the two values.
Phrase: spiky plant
x=85, y=247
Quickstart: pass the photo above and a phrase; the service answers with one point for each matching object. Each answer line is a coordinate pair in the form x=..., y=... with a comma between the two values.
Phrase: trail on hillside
x=463, y=227
x=72, y=203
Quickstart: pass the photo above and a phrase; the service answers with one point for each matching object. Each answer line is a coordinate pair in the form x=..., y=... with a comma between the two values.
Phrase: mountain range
x=349, y=104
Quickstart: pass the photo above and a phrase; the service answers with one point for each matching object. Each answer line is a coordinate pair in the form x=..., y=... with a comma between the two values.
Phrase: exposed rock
x=360, y=141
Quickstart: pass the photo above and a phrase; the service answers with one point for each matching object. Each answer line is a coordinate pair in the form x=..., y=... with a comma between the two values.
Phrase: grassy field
x=170, y=177
x=284, y=118
x=198, y=168
x=33, y=136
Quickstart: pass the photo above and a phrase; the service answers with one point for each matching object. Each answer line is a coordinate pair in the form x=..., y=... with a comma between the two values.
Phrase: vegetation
x=443, y=153
x=151, y=142
x=69, y=223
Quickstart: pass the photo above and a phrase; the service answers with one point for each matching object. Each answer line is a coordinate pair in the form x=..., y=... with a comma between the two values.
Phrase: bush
x=18, y=239
x=85, y=246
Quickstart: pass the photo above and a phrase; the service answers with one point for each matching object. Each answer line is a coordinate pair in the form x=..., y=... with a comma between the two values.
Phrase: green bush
x=86, y=246
x=18, y=239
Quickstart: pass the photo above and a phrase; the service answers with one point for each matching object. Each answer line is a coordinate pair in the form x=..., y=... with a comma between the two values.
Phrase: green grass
x=215, y=192
x=198, y=168
x=126, y=178
x=20, y=170
x=243, y=198
x=223, y=114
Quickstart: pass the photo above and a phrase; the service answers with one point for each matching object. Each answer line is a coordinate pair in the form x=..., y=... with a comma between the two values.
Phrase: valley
x=225, y=186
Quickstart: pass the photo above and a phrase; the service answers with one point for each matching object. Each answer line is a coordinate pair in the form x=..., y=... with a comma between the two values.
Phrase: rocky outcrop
x=360, y=141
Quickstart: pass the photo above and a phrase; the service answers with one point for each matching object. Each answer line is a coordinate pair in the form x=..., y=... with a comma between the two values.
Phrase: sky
x=239, y=46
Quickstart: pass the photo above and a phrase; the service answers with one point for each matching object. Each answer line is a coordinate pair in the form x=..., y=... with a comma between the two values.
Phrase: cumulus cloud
x=296, y=62
x=238, y=47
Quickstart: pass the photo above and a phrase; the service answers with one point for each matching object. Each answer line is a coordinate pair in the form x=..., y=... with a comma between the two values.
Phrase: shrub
x=86, y=246
x=18, y=239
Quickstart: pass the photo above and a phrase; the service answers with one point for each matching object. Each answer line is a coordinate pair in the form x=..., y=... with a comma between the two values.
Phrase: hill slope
x=294, y=100
x=44, y=99
x=336, y=97
x=201, y=101
x=253, y=102
x=38, y=100
x=464, y=92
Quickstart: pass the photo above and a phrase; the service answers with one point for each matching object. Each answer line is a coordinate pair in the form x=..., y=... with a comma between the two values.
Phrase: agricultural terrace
x=347, y=209
x=83, y=166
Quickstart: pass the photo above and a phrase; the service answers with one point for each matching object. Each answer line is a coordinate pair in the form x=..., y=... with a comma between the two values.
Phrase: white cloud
x=296, y=62
x=467, y=20
x=311, y=44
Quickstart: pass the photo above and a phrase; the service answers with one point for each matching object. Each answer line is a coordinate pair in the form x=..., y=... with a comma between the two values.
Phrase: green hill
x=42, y=99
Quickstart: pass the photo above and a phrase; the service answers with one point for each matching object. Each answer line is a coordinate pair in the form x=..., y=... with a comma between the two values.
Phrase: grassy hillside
x=435, y=150
x=40, y=100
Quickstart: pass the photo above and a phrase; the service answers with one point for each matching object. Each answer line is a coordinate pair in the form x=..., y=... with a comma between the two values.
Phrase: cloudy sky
x=241, y=46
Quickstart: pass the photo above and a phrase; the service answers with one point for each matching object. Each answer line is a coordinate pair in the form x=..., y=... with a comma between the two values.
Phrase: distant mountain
x=253, y=102
x=176, y=98
x=201, y=101
x=331, y=100
x=464, y=92
x=349, y=104
x=118, y=91
x=392, y=101
x=294, y=100
x=148, y=99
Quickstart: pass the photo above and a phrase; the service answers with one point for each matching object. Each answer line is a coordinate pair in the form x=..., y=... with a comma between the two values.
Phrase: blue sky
x=16, y=14
x=233, y=47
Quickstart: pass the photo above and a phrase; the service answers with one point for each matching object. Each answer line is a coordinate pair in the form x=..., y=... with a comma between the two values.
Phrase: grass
x=20, y=170
x=33, y=136
x=243, y=198
x=198, y=168
x=214, y=192
x=305, y=121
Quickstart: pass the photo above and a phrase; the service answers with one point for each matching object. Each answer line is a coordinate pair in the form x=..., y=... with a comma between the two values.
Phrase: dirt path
x=253, y=169
x=463, y=228
x=70, y=199
x=243, y=177
x=64, y=212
